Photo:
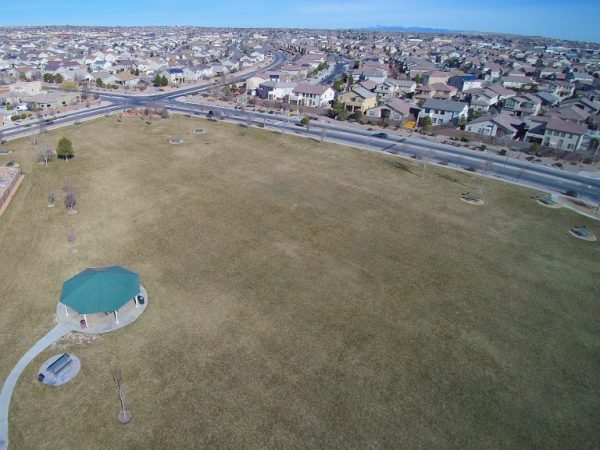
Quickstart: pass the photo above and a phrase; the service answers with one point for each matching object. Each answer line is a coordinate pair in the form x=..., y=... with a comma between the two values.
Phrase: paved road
x=521, y=172
x=339, y=68
x=488, y=164
x=9, y=385
x=120, y=101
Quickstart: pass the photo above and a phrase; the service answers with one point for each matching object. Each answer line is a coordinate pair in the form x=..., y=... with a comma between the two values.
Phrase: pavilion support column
x=116, y=317
x=135, y=301
x=85, y=320
x=66, y=310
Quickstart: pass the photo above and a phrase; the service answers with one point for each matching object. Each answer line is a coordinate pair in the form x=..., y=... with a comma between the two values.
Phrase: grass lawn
x=301, y=296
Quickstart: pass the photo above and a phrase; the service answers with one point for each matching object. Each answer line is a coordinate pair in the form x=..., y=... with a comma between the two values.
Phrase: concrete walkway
x=7, y=389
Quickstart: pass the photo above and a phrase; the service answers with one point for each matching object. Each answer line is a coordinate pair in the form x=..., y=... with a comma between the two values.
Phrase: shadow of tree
x=402, y=166
x=448, y=177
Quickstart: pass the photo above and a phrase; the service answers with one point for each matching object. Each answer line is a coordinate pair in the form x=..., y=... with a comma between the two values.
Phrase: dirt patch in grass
x=304, y=296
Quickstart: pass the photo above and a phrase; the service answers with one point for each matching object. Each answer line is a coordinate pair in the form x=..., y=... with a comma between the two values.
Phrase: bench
x=57, y=366
x=470, y=197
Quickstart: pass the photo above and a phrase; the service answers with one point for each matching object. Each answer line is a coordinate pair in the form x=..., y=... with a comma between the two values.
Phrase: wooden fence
x=12, y=176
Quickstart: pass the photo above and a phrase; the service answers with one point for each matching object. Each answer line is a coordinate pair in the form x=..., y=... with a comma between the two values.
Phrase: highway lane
x=418, y=145
x=67, y=119
x=427, y=145
x=521, y=172
x=123, y=101
x=487, y=164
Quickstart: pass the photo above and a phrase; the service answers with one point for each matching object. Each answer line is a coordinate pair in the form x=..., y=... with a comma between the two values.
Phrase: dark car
x=381, y=135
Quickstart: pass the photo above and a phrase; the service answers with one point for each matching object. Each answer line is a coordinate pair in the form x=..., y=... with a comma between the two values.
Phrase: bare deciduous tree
x=71, y=238
x=44, y=154
x=124, y=415
x=484, y=171
x=51, y=198
x=425, y=158
x=69, y=197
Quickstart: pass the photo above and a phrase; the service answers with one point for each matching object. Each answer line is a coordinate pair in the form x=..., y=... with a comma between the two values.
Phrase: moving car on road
x=381, y=135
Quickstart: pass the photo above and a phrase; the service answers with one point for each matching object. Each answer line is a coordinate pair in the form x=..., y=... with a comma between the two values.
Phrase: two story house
x=275, y=90
x=314, y=95
x=358, y=99
x=523, y=105
x=444, y=112
x=393, y=109
x=564, y=135
x=483, y=99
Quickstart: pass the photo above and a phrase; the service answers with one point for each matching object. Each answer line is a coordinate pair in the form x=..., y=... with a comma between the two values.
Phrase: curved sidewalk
x=7, y=389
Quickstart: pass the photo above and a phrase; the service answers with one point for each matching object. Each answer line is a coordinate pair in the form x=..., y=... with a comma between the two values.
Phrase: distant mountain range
x=410, y=29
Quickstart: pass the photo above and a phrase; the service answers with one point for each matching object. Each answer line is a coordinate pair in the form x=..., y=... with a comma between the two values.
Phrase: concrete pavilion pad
x=66, y=375
x=102, y=322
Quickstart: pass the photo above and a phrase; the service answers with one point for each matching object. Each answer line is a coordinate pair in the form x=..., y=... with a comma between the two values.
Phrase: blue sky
x=574, y=19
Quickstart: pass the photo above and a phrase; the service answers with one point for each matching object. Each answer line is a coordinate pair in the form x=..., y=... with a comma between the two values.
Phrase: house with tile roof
x=563, y=134
x=358, y=99
x=554, y=132
x=498, y=125
x=314, y=95
x=523, y=105
x=444, y=112
x=394, y=109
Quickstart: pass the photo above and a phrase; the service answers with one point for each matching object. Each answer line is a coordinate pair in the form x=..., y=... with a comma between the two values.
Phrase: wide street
x=484, y=163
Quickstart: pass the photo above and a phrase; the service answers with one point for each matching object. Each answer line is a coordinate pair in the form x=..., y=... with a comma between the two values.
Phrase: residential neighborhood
x=267, y=225
x=487, y=86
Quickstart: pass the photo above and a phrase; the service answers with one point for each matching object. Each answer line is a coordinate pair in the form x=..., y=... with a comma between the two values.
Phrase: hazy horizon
x=574, y=21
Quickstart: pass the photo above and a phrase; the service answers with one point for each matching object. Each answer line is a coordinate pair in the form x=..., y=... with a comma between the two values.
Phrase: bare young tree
x=124, y=415
x=44, y=154
x=69, y=197
x=51, y=198
x=425, y=158
x=71, y=238
x=484, y=171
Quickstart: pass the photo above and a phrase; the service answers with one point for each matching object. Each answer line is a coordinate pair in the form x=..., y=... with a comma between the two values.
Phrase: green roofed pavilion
x=100, y=289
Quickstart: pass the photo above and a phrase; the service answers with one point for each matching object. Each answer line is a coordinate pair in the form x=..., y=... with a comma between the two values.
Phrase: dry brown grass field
x=302, y=295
